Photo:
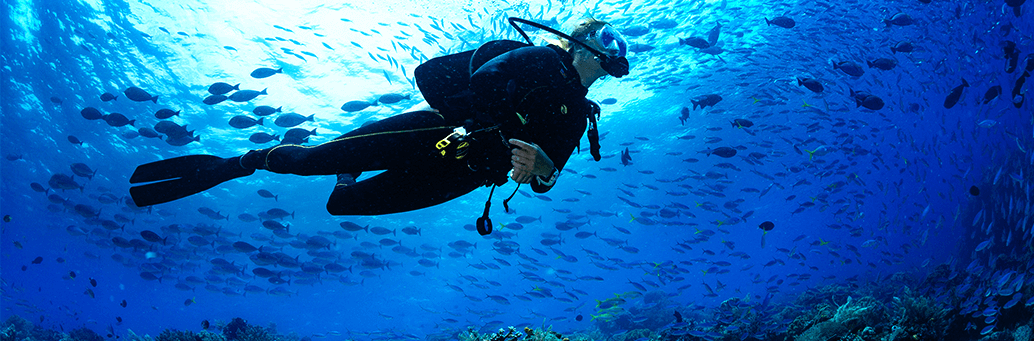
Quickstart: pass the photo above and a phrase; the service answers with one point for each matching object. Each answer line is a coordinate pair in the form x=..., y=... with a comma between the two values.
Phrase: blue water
x=886, y=192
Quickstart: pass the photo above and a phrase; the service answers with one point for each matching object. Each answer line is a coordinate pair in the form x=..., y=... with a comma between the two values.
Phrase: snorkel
x=616, y=66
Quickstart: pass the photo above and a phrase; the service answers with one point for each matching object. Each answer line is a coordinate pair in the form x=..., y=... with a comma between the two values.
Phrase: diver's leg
x=405, y=141
x=399, y=191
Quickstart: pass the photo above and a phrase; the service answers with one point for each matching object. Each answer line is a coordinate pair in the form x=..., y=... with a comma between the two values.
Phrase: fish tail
x=260, y=121
x=769, y=23
x=964, y=83
x=154, y=99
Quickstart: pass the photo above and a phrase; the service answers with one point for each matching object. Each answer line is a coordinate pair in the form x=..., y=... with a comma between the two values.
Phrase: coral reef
x=176, y=335
x=238, y=329
x=512, y=334
x=84, y=334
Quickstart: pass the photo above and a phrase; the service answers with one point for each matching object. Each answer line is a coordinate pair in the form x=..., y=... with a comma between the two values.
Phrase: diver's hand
x=529, y=161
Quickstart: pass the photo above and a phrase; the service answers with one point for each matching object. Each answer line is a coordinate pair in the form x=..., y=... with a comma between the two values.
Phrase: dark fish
x=299, y=134
x=118, y=318
x=767, y=226
x=265, y=110
x=38, y=187
x=172, y=129
x=118, y=120
x=55, y=100
x=850, y=68
x=783, y=22
x=903, y=46
x=91, y=113
x=246, y=95
x=89, y=292
x=267, y=194
x=1012, y=55
x=82, y=170
x=214, y=99
x=204, y=324
x=152, y=237
x=264, y=72
x=149, y=133
x=221, y=88
x=883, y=63
x=190, y=301
x=626, y=157
x=393, y=98
x=291, y=119
x=59, y=260
x=742, y=123
x=696, y=42
x=684, y=115
x=74, y=140
x=93, y=282
x=263, y=138
x=635, y=31
x=37, y=260
x=900, y=19
x=609, y=101
x=706, y=101
x=578, y=318
x=179, y=141
x=678, y=317
x=353, y=106
x=956, y=93
x=810, y=83
x=162, y=114
x=123, y=304
x=71, y=274
x=139, y=95
x=725, y=152
x=864, y=99
x=243, y=121
x=7, y=218
x=107, y=97
x=712, y=35
x=992, y=93
x=974, y=190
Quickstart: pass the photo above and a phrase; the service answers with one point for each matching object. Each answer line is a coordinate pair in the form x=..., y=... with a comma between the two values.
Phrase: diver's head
x=609, y=45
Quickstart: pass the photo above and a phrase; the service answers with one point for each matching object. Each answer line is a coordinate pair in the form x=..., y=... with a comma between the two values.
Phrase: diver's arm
x=530, y=162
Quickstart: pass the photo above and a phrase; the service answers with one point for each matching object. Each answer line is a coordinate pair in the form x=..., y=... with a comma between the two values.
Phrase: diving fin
x=182, y=176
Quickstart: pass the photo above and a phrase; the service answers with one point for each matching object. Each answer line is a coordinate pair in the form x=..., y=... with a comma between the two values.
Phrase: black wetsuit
x=536, y=85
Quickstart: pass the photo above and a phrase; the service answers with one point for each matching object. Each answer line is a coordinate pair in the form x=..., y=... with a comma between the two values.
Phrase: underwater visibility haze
x=771, y=170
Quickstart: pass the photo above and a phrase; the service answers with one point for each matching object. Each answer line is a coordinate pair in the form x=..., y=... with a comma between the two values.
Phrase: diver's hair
x=581, y=31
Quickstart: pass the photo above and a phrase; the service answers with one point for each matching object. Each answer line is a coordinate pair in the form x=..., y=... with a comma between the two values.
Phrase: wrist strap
x=552, y=178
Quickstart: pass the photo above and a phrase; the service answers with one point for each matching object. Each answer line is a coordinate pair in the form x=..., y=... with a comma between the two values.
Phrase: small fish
x=221, y=88
x=900, y=19
x=974, y=190
x=107, y=97
x=243, y=121
x=89, y=292
x=264, y=72
x=992, y=93
x=902, y=46
x=123, y=304
x=725, y=152
x=188, y=302
x=266, y=110
x=139, y=95
x=205, y=324
x=289, y=120
x=38, y=260
x=767, y=226
x=162, y=114
x=93, y=282
x=245, y=95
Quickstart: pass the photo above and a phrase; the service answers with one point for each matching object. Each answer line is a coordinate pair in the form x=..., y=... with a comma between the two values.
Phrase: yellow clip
x=444, y=143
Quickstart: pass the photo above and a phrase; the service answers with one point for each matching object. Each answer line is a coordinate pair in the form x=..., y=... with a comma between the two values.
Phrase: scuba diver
x=505, y=110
